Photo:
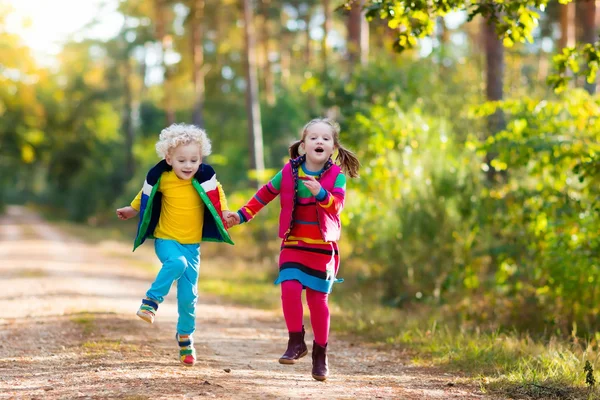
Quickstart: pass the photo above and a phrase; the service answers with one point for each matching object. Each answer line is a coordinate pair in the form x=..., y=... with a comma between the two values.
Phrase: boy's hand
x=232, y=218
x=312, y=184
x=126, y=212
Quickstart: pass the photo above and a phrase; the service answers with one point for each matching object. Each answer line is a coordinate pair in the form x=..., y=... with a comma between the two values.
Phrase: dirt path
x=68, y=330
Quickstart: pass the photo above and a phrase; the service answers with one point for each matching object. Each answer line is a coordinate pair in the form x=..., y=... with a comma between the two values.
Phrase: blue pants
x=181, y=263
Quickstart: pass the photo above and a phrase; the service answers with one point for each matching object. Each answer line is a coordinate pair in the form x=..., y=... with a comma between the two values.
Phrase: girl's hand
x=232, y=218
x=312, y=184
x=126, y=212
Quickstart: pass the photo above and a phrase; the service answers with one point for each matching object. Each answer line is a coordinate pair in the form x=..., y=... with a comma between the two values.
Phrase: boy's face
x=185, y=160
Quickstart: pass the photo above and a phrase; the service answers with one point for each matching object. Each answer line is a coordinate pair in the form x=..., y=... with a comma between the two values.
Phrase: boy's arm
x=263, y=197
x=222, y=197
x=333, y=202
x=137, y=202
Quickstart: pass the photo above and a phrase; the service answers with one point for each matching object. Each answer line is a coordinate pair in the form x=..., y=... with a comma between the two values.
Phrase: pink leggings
x=291, y=301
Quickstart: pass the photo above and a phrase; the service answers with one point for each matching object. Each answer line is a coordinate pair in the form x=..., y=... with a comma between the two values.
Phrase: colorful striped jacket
x=328, y=209
x=205, y=182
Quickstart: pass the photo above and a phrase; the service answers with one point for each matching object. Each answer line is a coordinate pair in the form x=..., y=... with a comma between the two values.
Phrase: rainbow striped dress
x=304, y=255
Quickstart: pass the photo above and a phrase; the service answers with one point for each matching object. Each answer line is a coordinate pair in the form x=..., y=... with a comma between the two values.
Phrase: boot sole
x=188, y=365
x=287, y=361
x=145, y=317
x=319, y=378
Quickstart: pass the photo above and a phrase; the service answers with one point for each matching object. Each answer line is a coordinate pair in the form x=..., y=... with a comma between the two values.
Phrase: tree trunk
x=128, y=124
x=443, y=37
x=494, y=54
x=354, y=33
x=198, y=68
x=590, y=34
x=358, y=34
x=326, y=30
x=265, y=39
x=252, y=100
x=284, y=51
x=567, y=25
x=165, y=41
x=307, y=55
x=220, y=29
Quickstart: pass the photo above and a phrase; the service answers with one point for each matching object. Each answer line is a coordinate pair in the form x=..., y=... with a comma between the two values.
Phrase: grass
x=237, y=283
x=102, y=347
x=86, y=321
x=505, y=363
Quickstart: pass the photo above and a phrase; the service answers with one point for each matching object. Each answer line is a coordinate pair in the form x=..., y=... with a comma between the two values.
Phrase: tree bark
x=165, y=41
x=307, y=49
x=494, y=88
x=257, y=163
x=198, y=68
x=326, y=30
x=358, y=34
x=589, y=34
x=128, y=123
x=567, y=25
x=265, y=39
x=284, y=51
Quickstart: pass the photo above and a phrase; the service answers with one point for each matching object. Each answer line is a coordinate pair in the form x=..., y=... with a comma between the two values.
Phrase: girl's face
x=318, y=143
x=185, y=160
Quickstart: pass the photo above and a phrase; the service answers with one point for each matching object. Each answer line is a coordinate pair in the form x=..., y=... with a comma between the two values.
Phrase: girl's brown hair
x=346, y=159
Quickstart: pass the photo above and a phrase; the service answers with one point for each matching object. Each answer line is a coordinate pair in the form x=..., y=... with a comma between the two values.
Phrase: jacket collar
x=163, y=166
x=297, y=162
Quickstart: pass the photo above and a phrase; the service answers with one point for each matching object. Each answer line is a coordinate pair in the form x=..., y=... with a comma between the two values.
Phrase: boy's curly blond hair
x=178, y=134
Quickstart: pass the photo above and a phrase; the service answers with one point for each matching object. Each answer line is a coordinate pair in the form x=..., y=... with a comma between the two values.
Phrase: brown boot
x=296, y=348
x=320, y=370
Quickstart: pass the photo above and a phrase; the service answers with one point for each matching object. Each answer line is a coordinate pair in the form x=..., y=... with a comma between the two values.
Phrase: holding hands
x=232, y=218
x=312, y=185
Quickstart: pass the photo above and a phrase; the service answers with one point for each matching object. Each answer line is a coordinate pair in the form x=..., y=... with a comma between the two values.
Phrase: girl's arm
x=333, y=202
x=263, y=197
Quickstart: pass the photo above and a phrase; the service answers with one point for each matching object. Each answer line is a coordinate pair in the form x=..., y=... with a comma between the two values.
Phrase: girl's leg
x=187, y=291
x=319, y=318
x=319, y=315
x=291, y=302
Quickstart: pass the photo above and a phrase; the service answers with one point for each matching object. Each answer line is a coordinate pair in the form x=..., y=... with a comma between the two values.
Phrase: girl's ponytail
x=348, y=161
x=295, y=149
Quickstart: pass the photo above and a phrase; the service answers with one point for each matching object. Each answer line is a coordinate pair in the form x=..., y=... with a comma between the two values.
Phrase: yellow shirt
x=182, y=209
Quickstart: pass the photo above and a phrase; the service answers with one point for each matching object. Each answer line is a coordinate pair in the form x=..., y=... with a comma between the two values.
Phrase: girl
x=312, y=189
x=180, y=205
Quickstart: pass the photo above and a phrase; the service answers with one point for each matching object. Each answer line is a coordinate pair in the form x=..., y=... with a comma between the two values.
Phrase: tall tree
x=257, y=162
x=265, y=40
x=358, y=34
x=198, y=67
x=589, y=31
x=165, y=41
x=128, y=117
x=307, y=48
x=494, y=80
x=567, y=25
x=326, y=30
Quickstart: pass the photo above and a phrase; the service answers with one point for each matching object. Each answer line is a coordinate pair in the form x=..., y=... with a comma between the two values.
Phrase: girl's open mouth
x=319, y=150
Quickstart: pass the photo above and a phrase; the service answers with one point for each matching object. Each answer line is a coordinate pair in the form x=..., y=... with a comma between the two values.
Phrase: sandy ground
x=68, y=330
